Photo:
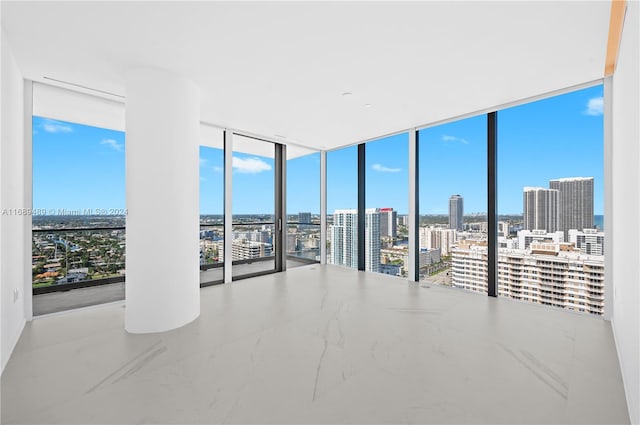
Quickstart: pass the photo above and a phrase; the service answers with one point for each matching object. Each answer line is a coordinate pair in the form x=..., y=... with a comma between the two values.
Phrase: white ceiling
x=280, y=68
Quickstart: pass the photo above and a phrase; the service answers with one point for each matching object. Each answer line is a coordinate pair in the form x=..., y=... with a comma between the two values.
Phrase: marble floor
x=321, y=344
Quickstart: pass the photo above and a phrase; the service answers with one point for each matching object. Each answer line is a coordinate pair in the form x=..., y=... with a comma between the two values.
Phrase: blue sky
x=78, y=167
x=557, y=137
x=253, y=182
x=453, y=160
x=551, y=138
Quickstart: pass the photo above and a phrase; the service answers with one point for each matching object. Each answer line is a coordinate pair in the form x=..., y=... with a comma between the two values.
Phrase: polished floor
x=321, y=344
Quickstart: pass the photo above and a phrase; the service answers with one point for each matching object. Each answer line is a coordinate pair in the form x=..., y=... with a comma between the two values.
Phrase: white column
x=162, y=182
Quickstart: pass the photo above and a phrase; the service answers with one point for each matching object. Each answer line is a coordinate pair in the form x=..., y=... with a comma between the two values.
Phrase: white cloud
x=446, y=138
x=203, y=162
x=113, y=144
x=595, y=106
x=249, y=165
x=51, y=126
x=381, y=168
x=218, y=169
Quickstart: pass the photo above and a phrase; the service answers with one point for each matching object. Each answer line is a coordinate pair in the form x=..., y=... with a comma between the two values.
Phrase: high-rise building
x=456, y=212
x=540, y=206
x=343, y=237
x=388, y=223
x=575, y=202
x=372, y=240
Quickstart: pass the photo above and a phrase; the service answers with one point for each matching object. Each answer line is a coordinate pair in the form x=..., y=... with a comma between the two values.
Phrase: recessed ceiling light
x=368, y=105
x=347, y=94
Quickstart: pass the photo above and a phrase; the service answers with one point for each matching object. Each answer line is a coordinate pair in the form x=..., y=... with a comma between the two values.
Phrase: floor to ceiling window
x=342, y=207
x=387, y=200
x=550, y=200
x=212, y=208
x=453, y=204
x=303, y=207
x=79, y=215
x=254, y=226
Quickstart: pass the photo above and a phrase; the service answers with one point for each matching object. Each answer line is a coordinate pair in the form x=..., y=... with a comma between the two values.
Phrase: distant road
x=442, y=278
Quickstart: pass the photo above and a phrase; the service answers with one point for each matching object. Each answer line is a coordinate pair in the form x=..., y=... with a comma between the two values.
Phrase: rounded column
x=162, y=184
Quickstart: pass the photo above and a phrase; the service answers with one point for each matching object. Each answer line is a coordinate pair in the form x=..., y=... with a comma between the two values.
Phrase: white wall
x=13, y=195
x=2, y=362
x=626, y=208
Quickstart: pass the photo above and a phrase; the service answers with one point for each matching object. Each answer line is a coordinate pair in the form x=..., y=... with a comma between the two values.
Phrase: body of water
x=598, y=221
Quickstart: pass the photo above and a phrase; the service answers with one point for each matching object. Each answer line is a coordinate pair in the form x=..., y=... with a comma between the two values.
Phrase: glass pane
x=550, y=194
x=253, y=249
x=342, y=207
x=387, y=196
x=453, y=204
x=211, y=215
x=303, y=206
x=79, y=211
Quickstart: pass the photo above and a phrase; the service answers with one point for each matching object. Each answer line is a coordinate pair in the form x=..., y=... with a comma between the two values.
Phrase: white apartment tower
x=540, y=206
x=575, y=202
x=372, y=240
x=343, y=237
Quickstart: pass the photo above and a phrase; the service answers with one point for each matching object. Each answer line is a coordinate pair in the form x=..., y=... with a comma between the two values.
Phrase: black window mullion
x=492, y=205
x=279, y=210
x=416, y=194
x=361, y=206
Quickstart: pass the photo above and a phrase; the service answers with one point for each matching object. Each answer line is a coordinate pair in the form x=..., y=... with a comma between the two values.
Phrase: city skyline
x=451, y=158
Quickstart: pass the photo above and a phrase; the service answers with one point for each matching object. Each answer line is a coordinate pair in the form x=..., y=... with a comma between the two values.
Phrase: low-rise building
x=438, y=238
x=243, y=249
x=588, y=241
x=526, y=237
